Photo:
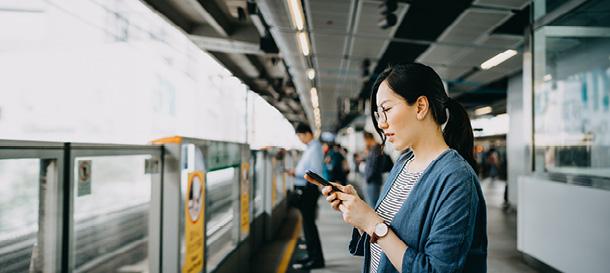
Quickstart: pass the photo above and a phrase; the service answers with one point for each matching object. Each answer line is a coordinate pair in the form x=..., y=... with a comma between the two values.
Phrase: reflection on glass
x=572, y=93
x=19, y=199
x=111, y=223
x=221, y=204
x=259, y=183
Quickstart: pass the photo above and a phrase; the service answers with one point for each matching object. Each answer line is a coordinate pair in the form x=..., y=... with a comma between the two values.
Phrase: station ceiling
x=257, y=42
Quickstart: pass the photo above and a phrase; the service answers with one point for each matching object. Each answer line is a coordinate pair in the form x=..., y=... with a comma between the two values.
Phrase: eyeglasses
x=381, y=113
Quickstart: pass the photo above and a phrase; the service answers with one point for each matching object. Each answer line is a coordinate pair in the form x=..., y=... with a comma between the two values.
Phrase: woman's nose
x=383, y=125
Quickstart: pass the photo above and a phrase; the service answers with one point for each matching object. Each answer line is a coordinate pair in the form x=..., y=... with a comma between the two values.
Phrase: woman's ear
x=422, y=106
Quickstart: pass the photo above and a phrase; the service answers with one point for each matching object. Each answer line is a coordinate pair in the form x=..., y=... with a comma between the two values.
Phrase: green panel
x=222, y=155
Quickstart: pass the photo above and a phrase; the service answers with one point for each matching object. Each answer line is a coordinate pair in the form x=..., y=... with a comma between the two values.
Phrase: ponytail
x=458, y=132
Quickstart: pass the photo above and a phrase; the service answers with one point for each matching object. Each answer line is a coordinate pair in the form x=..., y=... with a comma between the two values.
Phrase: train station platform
x=87, y=86
x=503, y=255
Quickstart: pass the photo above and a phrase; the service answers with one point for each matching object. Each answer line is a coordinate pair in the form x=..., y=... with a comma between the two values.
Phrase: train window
x=19, y=201
x=222, y=214
x=111, y=220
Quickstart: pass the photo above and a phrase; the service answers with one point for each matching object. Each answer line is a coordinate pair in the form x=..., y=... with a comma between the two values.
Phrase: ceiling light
x=483, y=110
x=311, y=73
x=314, y=97
x=313, y=93
x=303, y=42
x=296, y=12
x=498, y=59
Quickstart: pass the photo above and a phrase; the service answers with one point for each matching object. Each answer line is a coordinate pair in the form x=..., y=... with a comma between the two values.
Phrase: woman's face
x=401, y=125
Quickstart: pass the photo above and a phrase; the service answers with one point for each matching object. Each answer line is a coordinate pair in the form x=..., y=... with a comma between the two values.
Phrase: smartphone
x=321, y=180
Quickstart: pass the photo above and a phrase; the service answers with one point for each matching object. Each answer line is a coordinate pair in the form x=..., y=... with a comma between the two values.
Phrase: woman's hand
x=355, y=211
x=331, y=197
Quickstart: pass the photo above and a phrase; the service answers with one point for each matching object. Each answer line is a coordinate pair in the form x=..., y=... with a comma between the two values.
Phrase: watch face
x=381, y=229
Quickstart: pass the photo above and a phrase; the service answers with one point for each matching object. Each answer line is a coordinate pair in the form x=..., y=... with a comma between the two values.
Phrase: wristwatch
x=381, y=230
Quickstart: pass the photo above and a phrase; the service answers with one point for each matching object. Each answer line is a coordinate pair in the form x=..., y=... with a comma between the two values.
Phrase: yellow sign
x=245, y=199
x=194, y=208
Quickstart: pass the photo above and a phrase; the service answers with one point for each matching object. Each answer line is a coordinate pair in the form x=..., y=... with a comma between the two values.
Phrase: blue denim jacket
x=443, y=221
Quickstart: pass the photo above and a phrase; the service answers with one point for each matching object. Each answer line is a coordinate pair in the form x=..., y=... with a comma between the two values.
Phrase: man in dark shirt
x=374, y=168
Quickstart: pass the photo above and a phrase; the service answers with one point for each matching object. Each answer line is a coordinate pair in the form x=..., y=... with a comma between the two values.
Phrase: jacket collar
x=399, y=166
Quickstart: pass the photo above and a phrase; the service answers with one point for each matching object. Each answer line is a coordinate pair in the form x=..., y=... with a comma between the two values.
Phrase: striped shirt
x=391, y=204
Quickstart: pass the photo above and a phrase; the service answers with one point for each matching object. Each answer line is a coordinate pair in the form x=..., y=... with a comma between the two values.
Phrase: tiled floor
x=501, y=229
x=501, y=232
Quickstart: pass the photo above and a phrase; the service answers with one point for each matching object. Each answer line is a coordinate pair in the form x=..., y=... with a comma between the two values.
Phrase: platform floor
x=502, y=233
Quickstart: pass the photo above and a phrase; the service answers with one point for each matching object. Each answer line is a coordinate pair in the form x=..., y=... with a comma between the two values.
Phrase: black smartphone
x=321, y=180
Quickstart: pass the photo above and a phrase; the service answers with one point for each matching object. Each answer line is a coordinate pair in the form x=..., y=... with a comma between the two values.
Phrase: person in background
x=326, y=149
x=373, y=169
x=307, y=196
x=336, y=164
x=492, y=160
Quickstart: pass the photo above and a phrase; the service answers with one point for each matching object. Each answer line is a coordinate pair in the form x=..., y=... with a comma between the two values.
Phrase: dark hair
x=303, y=128
x=413, y=80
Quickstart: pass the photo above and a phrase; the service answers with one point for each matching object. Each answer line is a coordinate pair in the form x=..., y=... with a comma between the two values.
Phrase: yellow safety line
x=290, y=248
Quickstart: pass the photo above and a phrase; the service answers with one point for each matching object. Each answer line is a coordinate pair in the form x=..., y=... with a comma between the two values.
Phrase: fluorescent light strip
x=314, y=98
x=313, y=93
x=303, y=42
x=296, y=13
x=314, y=103
x=498, y=59
x=483, y=110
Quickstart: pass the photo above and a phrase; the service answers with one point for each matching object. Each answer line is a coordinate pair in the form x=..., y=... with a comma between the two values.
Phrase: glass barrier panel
x=259, y=183
x=280, y=180
x=19, y=201
x=111, y=212
x=221, y=214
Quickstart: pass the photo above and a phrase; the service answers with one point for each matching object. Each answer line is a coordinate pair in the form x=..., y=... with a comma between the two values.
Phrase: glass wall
x=572, y=93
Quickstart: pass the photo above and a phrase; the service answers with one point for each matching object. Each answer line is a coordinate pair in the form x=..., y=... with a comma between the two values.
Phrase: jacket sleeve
x=356, y=244
x=452, y=229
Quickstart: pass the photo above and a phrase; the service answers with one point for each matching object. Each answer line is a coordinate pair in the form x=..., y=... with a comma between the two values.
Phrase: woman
x=431, y=215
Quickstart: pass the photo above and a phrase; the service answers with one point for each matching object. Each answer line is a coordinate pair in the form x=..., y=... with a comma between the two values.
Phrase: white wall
x=565, y=226
x=518, y=137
